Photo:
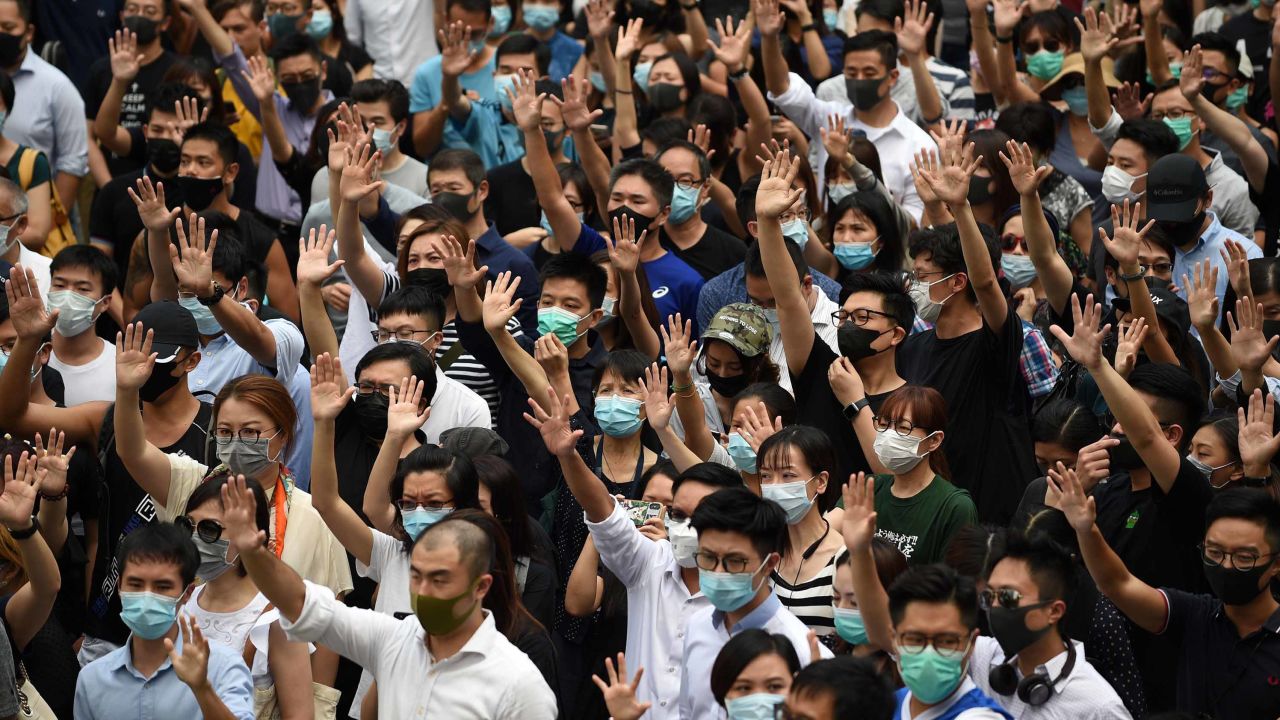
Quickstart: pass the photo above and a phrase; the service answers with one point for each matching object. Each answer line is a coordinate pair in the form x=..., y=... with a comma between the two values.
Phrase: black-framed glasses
x=223, y=436
x=207, y=530
x=690, y=183
x=366, y=389
x=407, y=505
x=1172, y=114
x=902, y=427
x=1242, y=560
x=860, y=316
x=709, y=561
x=403, y=335
x=1005, y=598
x=946, y=644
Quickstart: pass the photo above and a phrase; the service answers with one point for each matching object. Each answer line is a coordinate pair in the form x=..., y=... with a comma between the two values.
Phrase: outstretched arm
x=406, y=413
x=280, y=583
x=624, y=255
x=329, y=395
x=551, y=418
x=1222, y=123
x=626, y=132
x=527, y=107
x=1055, y=277
x=29, y=607
x=775, y=196
x=314, y=269
x=858, y=528
x=148, y=464
x=578, y=118
x=768, y=16
x=657, y=407
x=1124, y=248
x=126, y=61
x=357, y=184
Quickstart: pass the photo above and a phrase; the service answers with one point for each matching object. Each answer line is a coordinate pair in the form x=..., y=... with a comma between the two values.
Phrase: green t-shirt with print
x=921, y=526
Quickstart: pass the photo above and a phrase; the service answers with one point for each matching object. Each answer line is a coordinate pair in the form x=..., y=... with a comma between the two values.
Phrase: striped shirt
x=953, y=87
x=810, y=600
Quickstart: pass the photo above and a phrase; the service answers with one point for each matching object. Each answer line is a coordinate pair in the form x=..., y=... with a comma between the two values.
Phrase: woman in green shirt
x=917, y=508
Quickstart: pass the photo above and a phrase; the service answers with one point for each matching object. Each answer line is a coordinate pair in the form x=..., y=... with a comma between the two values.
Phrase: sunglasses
x=209, y=531
x=1010, y=242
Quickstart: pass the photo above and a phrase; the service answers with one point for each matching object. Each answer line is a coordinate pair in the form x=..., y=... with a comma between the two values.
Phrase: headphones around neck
x=1035, y=689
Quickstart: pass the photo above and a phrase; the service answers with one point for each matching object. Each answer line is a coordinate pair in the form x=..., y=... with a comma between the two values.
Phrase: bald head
x=473, y=545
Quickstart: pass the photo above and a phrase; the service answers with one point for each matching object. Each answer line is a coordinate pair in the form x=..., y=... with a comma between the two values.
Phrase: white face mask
x=926, y=308
x=75, y=311
x=897, y=453
x=1117, y=185
x=684, y=542
x=7, y=242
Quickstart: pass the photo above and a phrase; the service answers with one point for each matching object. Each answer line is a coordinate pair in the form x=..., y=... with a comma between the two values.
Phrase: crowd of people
x=623, y=359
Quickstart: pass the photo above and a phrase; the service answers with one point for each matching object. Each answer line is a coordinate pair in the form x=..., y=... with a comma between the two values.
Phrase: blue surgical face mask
x=541, y=17
x=321, y=24
x=757, y=706
x=500, y=85
x=382, y=140
x=684, y=203
x=854, y=256
x=1237, y=98
x=147, y=614
x=1018, y=269
x=597, y=80
x=729, y=591
x=206, y=323
x=501, y=20
x=839, y=191
x=1077, y=101
x=831, y=18
x=793, y=497
x=417, y=520
x=797, y=231
x=641, y=75
x=744, y=456
x=929, y=675
x=545, y=224
x=561, y=322
x=849, y=626
x=618, y=416
x=475, y=47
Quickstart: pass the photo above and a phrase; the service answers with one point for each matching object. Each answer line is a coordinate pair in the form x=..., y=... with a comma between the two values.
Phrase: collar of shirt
x=939, y=710
x=30, y=61
x=755, y=619
x=481, y=641
x=1054, y=667
x=595, y=355
x=490, y=240
x=895, y=126
x=124, y=660
x=1206, y=237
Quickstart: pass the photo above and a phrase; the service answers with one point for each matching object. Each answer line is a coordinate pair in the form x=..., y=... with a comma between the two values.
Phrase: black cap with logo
x=172, y=326
x=1175, y=184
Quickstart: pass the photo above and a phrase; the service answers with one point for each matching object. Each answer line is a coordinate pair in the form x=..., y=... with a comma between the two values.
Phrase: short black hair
x=887, y=10
x=934, y=584
x=651, y=172
x=523, y=44
x=629, y=365
x=1049, y=564
x=775, y=397
x=458, y=471
x=1252, y=504
x=1156, y=139
x=856, y=689
x=210, y=490
x=742, y=650
x=299, y=43
x=942, y=243
x=415, y=356
x=815, y=447
x=572, y=266
x=1051, y=23
x=885, y=43
x=707, y=473
x=91, y=258
x=745, y=203
x=392, y=92
x=230, y=256
x=880, y=211
x=892, y=289
x=1179, y=398
x=218, y=134
x=415, y=300
x=741, y=511
x=164, y=96
x=1031, y=123
x=484, y=6
x=464, y=159
x=753, y=263
x=663, y=130
x=704, y=165
x=1219, y=42
x=161, y=542
x=1066, y=422
x=550, y=88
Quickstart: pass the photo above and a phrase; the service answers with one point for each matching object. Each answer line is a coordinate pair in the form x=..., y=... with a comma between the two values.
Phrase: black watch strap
x=1132, y=278
x=213, y=299
x=852, y=409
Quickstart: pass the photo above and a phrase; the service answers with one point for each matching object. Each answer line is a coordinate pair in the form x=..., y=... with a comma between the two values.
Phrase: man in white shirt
x=13, y=224
x=392, y=32
x=740, y=540
x=820, y=308
x=82, y=279
x=448, y=660
x=870, y=71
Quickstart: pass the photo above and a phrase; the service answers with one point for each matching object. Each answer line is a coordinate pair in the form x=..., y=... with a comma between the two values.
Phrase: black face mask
x=456, y=204
x=371, y=414
x=664, y=97
x=303, y=95
x=10, y=49
x=864, y=94
x=652, y=13
x=144, y=27
x=1124, y=457
x=199, y=193
x=159, y=382
x=728, y=386
x=435, y=280
x=855, y=342
x=1235, y=587
x=163, y=155
x=1009, y=626
x=1182, y=234
x=642, y=221
x=979, y=190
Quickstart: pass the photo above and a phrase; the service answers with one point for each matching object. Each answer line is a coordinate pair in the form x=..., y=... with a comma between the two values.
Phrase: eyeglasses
x=948, y=645
x=902, y=427
x=1010, y=242
x=407, y=505
x=709, y=561
x=689, y=183
x=151, y=11
x=207, y=530
x=913, y=276
x=1173, y=114
x=860, y=316
x=788, y=216
x=286, y=8
x=1160, y=268
x=366, y=389
x=224, y=436
x=403, y=334
x=1031, y=47
x=1215, y=77
x=1241, y=560
x=1005, y=598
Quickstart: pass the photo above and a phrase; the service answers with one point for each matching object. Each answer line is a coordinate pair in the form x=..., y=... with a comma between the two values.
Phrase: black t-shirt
x=1256, y=35
x=513, y=200
x=1220, y=673
x=714, y=253
x=1156, y=533
x=125, y=508
x=1266, y=202
x=114, y=217
x=133, y=107
x=988, y=439
x=255, y=236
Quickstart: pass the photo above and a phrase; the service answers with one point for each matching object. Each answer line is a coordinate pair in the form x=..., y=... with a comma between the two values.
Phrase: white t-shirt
x=94, y=380
x=231, y=629
x=389, y=567
x=40, y=265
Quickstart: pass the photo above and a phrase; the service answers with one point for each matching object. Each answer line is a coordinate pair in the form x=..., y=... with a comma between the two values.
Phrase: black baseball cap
x=1169, y=308
x=172, y=326
x=1175, y=183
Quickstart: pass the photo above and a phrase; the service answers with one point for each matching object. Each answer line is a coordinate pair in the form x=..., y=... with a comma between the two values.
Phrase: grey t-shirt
x=411, y=175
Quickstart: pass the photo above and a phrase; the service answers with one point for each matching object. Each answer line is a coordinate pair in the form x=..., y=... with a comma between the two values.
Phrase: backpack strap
x=27, y=167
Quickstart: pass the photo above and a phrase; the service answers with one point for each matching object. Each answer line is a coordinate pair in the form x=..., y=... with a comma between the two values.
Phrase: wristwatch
x=213, y=299
x=1132, y=278
x=24, y=534
x=739, y=73
x=811, y=27
x=852, y=409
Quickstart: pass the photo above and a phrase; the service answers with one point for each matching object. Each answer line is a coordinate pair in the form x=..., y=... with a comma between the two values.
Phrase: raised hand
x=239, y=517
x=31, y=318
x=777, y=192
x=577, y=115
x=526, y=102
x=620, y=695
x=951, y=184
x=261, y=80
x=657, y=404
x=18, y=499
x=835, y=138
x=913, y=28
x=949, y=136
x=552, y=355
x=339, y=143
x=735, y=45
x=405, y=410
x=1124, y=22
x=134, y=359
x=599, y=19
x=329, y=390
x=1129, y=342
x=926, y=161
x=859, y=525
x=1259, y=442
x=189, y=115
x=1237, y=262
x=700, y=135
x=679, y=343
x=628, y=39
x=1065, y=493
x=1097, y=35
x=1023, y=172
x=799, y=9
x=559, y=438
x=192, y=258
x=1202, y=295
x=624, y=251
x=1249, y=346
x=1125, y=239
x=846, y=383
x=459, y=266
x=1129, y=101
x=455, y=49
x=122, y=51
x=1191, y=81
x=768, y=15
x=1086, y=344
x=1007, y=15
x=1093, y=461
x=358, y=180
x=314, y=252
x=192, y=665
x=53, y=463
x=500, y=301
x=755, y=427
x=152, y=210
